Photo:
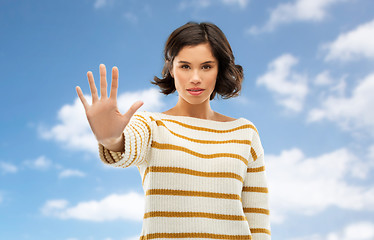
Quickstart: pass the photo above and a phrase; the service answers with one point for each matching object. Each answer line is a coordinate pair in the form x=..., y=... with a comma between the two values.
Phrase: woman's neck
x=183, y=108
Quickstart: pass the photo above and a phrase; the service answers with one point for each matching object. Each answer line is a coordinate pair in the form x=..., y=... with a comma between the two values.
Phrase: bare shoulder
x=223, y=118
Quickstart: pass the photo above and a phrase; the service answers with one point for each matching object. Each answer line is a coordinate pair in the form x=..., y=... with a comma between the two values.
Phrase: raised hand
x=106, y=122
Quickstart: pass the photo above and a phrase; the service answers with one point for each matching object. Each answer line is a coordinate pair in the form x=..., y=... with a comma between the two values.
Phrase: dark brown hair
x=230, y=76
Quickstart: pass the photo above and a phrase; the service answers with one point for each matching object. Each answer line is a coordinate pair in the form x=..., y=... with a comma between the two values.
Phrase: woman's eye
x=207, y=67
x=185, y=66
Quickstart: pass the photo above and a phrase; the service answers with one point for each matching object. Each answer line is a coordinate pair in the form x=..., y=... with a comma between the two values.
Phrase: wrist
x=115, y=144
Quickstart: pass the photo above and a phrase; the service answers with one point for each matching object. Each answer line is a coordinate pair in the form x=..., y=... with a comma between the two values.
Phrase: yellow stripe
x=107, y=155
x=141, y=139
x=149, y=132
x=145, y=174
x=257, y=210
x=192, y=193
x=195, y=173
x=195, y=235
x=124, y=162
x=136, y=151
x=190, y=172
x=255, y=189
x=209, y=129
x=146, y=124
x=160, y=123
x=259, y=169
x=183, y=149
x=260, y=230
x=254, y=155
x=195, y=214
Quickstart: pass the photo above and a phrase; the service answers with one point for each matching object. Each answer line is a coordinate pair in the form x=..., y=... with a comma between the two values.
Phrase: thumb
x=134, y=108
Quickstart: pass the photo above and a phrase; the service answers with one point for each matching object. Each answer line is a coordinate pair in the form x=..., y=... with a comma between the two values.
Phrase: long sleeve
x=138, y=137
x=255, y=193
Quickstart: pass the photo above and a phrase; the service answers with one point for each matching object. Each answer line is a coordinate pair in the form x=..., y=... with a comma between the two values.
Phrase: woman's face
x=195, y=72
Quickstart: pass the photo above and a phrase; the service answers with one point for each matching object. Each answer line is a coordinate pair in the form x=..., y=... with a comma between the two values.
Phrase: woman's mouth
x=195, y=91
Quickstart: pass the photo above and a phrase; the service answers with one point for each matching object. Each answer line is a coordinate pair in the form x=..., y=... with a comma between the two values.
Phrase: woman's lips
x=195, y=91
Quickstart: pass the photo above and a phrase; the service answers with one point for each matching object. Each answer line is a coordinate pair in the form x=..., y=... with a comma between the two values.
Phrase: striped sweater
x=202, y=179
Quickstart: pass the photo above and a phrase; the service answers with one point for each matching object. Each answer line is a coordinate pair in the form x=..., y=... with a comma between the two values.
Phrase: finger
x=133, y=109
x=103, y=84
x=93, y=89
x=82, y=98
x=114, y=86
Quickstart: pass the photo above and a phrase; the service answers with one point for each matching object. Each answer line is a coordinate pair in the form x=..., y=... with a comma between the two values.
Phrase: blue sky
x=309, y=83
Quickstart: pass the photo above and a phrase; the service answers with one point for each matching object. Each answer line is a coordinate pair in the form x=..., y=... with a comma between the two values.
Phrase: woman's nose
x=195, y=78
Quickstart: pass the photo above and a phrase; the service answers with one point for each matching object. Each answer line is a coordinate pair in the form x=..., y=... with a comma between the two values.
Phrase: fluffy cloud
x=113, y=207
x=100, y=3
x=131, y=17
x=41, y=163
x=8, y=168
x=240, y=3
x=71, y=173
x=371, y=152
x=288, y=86
x=354, y=231
x=73, y=130
x=352, y=45
x=308, y=185
x=199, y=4
x=350, y=113
x=132, y=238
x=323, y=79
x=299, y=10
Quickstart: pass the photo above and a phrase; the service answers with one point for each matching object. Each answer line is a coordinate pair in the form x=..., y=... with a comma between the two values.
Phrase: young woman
x=203, y=173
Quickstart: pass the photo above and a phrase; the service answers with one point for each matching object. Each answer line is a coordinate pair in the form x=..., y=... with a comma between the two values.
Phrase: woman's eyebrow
x=201, y=63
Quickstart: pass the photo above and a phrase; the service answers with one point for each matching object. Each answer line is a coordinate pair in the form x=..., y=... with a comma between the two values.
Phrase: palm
x=106, y=121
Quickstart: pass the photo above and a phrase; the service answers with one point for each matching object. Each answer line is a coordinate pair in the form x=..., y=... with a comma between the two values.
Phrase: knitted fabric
x=202, y=179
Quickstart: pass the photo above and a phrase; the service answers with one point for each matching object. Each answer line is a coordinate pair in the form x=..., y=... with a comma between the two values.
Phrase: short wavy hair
x=230, y=75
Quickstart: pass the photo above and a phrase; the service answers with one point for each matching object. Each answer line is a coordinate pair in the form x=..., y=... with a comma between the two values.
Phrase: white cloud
x=8, y=167
x=41, y=163
x=100, y=3
x=200, y=4
x=131, y=17
x=132, y=238
x=288, y=86
x=371, y=152
x=71, y=173
x=350, y=113
x=73, y=129
x=53, y=207
x=308, y=185
x=352, y=45
x=240, y=3
x=323, y=79
x=329, y=86
x=355, y=231
x=113, y=207
x=299, y=10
